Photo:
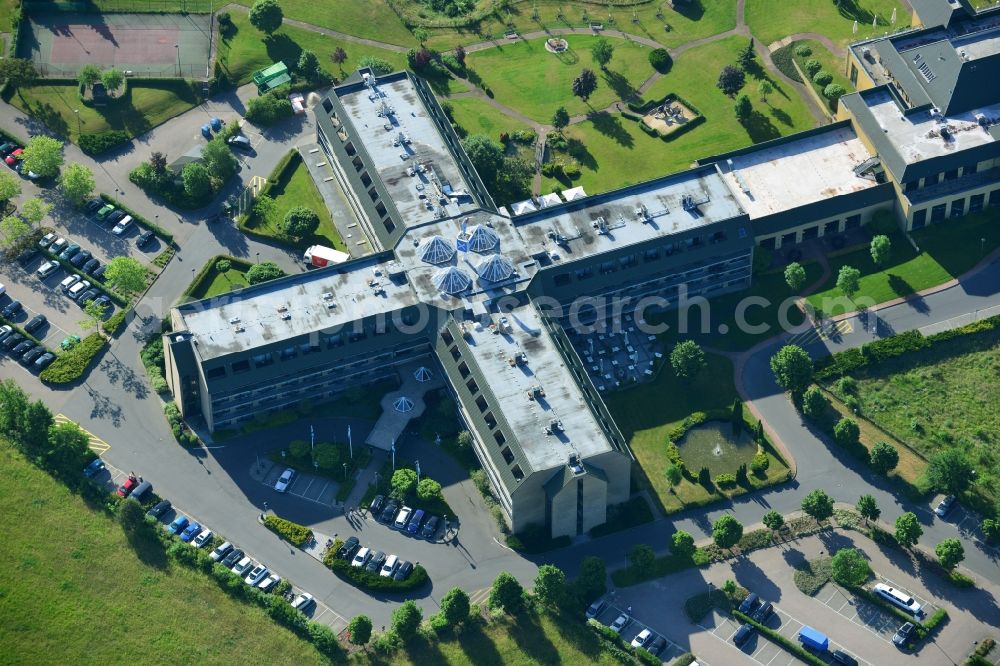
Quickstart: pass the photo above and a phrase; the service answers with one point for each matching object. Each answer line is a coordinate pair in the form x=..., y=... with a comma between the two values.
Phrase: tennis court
x=60, y=44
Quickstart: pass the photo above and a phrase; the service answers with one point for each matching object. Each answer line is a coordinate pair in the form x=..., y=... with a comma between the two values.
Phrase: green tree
x=378, y=66
x=43, y=155
x=792, y=368
x=880, y=249
x=660, y=60
x=10, y=187
x=464, y=439
x=850, y=568
x=847, y=432
x=131, y=516
x=338, y=57
x=12, y=231
x=300, y=222
x=849, y=280
x=764, y=88
x=990, y=528
x=18, y=72
x=34, y=210
x=868, y=508
x=682, y=543
x=263, y=272
x=298, y=448
x=747, y=57
x=795, y=275
x=126, y=275
x=674, y=475
x=687, y=359
x=949, y=471
x=266, y=16
x=486, y=154
x=883, y=457
x=219, y=159
x=428, y=489
x=506, y=594
x=593, y=579
x=743, y=108
x=94, y=313
x=773, y=520
x=359, y=631
x=908, y=529
x=405, y=619
x=814, y=403
x=15, y=406
x=726, y=531
x=197, y=182
x=950, y=552
x=585, y=84
x=327, y=455
x=308, y=65
x=223, y=266
x=550, y=585
x=89, y=75
x=834, y=91
x=560, y=119
x=66, y=445
x=112, y=79
x=455, y=606
x=731, y=79
x=818, y=504
x=264, y=209
x=420, y=35
x=76, y=183
x=641, y=557
x=404, y=480
x=601, y=51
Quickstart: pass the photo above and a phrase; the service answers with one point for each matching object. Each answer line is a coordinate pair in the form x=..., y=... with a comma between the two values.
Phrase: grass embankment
x=829, y=62
x=478, y=117
x=771, y=20
x=211, y=282
x=85, y=597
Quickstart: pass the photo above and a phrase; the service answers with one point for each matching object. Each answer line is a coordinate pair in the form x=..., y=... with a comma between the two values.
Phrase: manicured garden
x=213, y=282
x=771, y=20
x=807, y=50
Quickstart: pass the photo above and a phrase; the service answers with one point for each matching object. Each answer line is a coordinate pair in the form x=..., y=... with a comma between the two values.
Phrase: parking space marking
x=97, y=445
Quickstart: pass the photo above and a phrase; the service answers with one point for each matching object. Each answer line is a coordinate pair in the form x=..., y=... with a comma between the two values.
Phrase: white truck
x=319, y=256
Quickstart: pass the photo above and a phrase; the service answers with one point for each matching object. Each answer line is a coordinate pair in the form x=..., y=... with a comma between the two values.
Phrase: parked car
x=206, y=131
x=843, y=658
x=44, y=360
x=144, y=238
x=80, y=258
x=642, y=639
x=743, y=634
x=32, y=354
x=898, y=598
x=103, y=213
x=232, y=558
x=594, y=609
x=221, y=551
x=204, y=537
x=93, y=206
x=12, y=309
x=376, y=561
x=69, y=342
x=348, y=547
x=944, y=506
x=303, y=602
x=389, y=512
x=91, y=265
x=658, y=644
x=620, y=623
x=22, y=348
x=240, y=141
x=116, y=215
x=77, y=289
x=749, y=603
x=36, y=323
x=389, y=566
x=216, y=124
x=5, y=331
x=104, y=303
x=285, y=480
x=47, y=240
x=361, y=557
x=903, y=634
x=413, y=527
x=178, y=524
x=161, y=508
x=256, y=575
x=243, y=566
x=402, y=518
x=430, y=529
x=126, y=488
x=403, y=570
x=7, y=148
x=58, y=245
x=69, y=281
x=122, y=225
x=13, y=157
x=47, y=269
x=268, y=583
x=375, y=508
x=69, y=251
x=87, y=296
x=95, y=466
x=764, y=612
x=12, y=340
x=190, y=532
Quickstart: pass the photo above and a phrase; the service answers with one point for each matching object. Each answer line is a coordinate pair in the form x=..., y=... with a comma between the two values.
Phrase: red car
x=14, y=157
x=127, y=487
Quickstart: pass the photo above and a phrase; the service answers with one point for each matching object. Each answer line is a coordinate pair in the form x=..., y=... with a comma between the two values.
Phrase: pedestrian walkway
x=365, y=479
x=404, y=404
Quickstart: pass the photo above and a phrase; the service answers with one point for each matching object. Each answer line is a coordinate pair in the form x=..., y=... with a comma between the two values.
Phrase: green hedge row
x=18, y=329
x=71, y=366
x=791, y=645
x=366, y=580
x=293, y=533
x=613, y=643
x=165, y=235
x=102, y=142
x=113, y=326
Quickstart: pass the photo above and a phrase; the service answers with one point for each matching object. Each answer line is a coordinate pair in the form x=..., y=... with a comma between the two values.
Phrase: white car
x=58, y=245
x=642, y=638
x=204, y=537
x=361, y=557
x=78, y=288
x=402, y=518
x=620, y=623
x=257, y=574
x=268, y=583
x=285, y=480
x=122, y=226
x=390, y=566
x=221, y=551
x=47, y=269
x=69, y=281
x=303, y=601
x=242, y=566
x=47, y=240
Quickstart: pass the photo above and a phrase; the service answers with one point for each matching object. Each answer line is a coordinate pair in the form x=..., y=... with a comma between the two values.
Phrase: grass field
x=771, y=20
x=477, y=117
x=372, y=19
x=647, y=413
x=941, y=397
x=144, y=107
x=529, y=79
x=85, y=598
x=296, y=188
x=218, y=283
x=614, y=152
x=830, y=63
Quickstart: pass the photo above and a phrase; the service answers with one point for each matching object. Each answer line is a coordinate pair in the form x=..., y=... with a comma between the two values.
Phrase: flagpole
x=350, y=444
x=393, y=454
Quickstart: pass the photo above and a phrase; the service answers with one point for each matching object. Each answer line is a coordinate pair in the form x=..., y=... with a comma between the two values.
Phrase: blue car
x=95, y=466
x=180, y=522
x=206, y=131
x=191, y=532
x=414, y=526
x=216, y=124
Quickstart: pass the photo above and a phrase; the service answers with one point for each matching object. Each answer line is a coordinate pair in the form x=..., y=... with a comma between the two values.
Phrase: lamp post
x=345, y=471
x=76, y=112
x=982, y=245
x=258, y=257
x=177, y=47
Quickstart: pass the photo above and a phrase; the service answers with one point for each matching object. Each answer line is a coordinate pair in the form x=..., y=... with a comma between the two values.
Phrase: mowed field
x=73, y=592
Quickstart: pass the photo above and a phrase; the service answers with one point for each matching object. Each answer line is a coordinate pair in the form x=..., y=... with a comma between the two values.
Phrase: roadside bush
x=760, y=463
x=115, y=322
x=295, y=534
x=660, y=60
x=812, y=66
x=184, y=435
x=366, y=580
x=822, y=78
x=70, y=366
x=95, y=144
x=268, y=109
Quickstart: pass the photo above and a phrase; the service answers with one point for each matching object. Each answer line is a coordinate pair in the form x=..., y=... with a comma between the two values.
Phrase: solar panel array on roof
x=495, y=268
x=452, y=280
x=437, y=251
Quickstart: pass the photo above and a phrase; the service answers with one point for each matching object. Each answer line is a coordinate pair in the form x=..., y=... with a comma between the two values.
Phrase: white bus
x=898, y=598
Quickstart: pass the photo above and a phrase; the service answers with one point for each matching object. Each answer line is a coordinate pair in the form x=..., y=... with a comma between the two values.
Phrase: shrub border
x=164, y=235
x=88, y=349
x=364, y=580
x=781, y=641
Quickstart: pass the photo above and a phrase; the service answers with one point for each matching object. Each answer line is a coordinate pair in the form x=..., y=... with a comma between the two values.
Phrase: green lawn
x=144, y=106
x=614, y=152
x=947, y=250
x=529, y=79
x=372, y=19
x=647, y=413
x=86, y=598
x=771, y=20
x=477, y=117
x=213, y=283
x=830, y=63
x=941, y=397
x=295, y=187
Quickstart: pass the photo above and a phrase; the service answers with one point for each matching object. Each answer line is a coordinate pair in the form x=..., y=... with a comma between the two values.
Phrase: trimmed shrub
x=803, y=51
x=95, y=144
x=184, y=435
x=71, y=366
x=293, y=533
x=660, y=60
x=115, y=322
x=812, y=66
x=822, y=78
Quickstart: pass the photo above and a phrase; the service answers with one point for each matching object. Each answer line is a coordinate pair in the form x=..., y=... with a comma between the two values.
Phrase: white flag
x=893, y=19
x=874, y=22
x=855, y=29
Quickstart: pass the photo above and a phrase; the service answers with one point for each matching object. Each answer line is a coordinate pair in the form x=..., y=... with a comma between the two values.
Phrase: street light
x=345, y=471
x=982, y=245
x=177, y=47
x=76, y=112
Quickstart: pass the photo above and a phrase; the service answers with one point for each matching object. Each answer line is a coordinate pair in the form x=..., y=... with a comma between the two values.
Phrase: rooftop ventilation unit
x=981, y=119
x=452, y=280
x=495, y=268
x=286, y=316
x=601, y=225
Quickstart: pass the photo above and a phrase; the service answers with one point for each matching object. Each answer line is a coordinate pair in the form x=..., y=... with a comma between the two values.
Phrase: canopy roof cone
x=495, y=268
x=482, y=239
x=452, y=280
x=423, y=374
x=436, y=251
x=403, y=404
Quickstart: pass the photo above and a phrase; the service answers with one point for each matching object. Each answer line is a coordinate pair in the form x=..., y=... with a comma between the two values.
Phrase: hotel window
x=215, y=373
x=931, y=180
x=498, y=436
x=995, y=198
x=327, y=105
x=831, y=227
x=958, y=208
x=810, y=232
x=852, y=222
x=920, y=218
x=970, y=169
x=951, y=174
x=976, y=202
x=938, y=212
x=507, y=455
x=260, y=360
x=240, y=366
x=482, y=404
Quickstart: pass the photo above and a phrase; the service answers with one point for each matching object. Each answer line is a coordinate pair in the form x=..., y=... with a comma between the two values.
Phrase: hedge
x=293, y=533
x=792, y=646
x=184, y=435
x=113, y=326
x=366, y=580
x=18, y=329
x=102, y=142
x=140, y=220
x=71, y=366
x=784, y=61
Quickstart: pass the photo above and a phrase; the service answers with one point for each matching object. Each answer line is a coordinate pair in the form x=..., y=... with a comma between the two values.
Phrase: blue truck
x=813, y=639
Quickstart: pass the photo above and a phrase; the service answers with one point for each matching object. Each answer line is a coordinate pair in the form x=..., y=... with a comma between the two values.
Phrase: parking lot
x=318, y=489
x=634, y=627
x=879, y=621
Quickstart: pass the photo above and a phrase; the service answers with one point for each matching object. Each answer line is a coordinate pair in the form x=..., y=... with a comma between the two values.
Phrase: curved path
x=834, y=48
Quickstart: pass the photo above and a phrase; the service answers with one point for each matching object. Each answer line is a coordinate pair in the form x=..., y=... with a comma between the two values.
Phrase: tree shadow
x=147, y=546
x=477, y=646
x=578, y=151
x=611, y=126
x=621, y=86
x=284, y=48
x=759, y=127
x=692, y=10
x=781, y=116
x=528, y=634
x=576, y=634
x=47, y=114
